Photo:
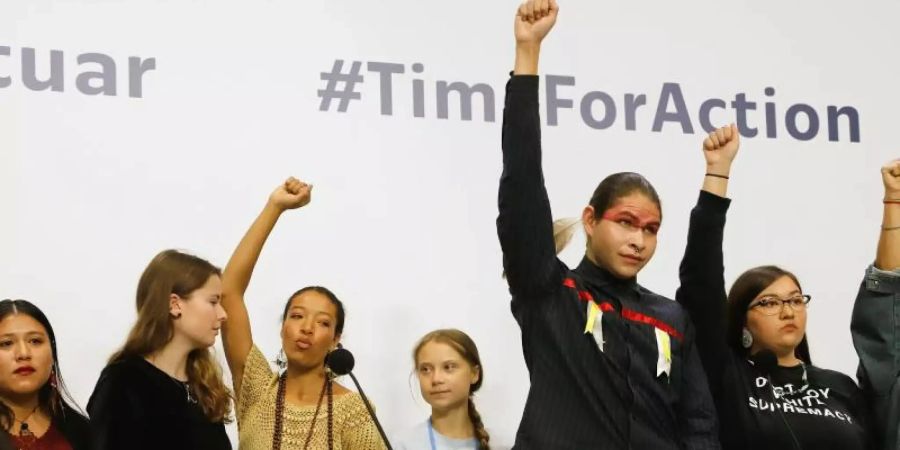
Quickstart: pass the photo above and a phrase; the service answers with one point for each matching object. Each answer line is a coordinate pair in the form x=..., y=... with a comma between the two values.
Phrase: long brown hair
x=465, y=346
x=174, y=272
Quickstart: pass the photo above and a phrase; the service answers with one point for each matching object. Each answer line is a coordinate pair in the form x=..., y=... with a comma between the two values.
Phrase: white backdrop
x=402, y=221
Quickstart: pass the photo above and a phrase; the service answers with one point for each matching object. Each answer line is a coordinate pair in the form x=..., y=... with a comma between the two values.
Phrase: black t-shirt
x=136, y=406
x=823, y=412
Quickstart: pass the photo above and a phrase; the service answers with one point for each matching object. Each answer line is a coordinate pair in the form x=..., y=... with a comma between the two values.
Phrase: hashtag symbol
x=331, y=90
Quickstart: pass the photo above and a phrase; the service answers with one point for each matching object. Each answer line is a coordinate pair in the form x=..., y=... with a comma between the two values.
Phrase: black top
x=136, y=406
x=829, y=414
x=582, y=397
x=75, y=427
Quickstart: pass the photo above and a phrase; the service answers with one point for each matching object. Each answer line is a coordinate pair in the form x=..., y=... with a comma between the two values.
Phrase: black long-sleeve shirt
x=830, y=413
x=581, y=396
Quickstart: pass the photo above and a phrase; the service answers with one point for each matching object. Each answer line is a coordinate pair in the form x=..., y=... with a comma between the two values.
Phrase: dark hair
x=619, y=185
x=174, y=272
x=54, y=400
x=465, y=346
x=338, y=305
x=743, y=291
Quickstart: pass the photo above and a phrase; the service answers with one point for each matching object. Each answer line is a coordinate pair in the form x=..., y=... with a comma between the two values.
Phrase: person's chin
x=626, y=271
x=205, y=343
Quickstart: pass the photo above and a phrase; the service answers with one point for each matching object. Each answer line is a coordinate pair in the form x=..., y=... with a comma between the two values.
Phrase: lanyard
x=431, y=435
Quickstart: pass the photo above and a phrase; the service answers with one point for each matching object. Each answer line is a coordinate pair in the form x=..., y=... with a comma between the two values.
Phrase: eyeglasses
x=771, y=306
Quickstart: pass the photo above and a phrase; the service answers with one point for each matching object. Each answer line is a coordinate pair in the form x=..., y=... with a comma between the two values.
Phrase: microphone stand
x=371, y=411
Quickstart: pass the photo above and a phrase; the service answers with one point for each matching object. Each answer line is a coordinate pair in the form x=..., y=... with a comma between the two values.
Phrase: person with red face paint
x=876, y=325
x=36, y=410
x=612, y=364
x=753, y=341
x=450, y=372
x=302, y=407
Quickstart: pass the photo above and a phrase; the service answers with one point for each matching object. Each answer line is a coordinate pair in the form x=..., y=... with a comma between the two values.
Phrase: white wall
x=402, y=222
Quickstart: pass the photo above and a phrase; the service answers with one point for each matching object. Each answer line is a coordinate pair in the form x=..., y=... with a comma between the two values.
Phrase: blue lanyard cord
x=431, y=437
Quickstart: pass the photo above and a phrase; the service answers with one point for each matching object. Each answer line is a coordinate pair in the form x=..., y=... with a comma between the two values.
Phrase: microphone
x=341, y=362
x=766, y=361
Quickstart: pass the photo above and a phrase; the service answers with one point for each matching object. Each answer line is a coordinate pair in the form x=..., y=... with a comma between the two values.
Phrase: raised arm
x=888, y=256
x=875, y=325
x=702, y=290
x=236, y=336
x=525, y=224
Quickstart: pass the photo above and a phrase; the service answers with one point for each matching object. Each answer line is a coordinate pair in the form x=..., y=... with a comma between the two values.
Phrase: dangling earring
x=53, y=382
x=746, y=338
x=281, y=360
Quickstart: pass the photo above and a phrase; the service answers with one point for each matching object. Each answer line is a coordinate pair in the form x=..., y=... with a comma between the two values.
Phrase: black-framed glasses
x=772, y=305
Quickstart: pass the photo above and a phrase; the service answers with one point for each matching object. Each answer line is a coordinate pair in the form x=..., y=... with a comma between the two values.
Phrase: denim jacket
x=876, y=336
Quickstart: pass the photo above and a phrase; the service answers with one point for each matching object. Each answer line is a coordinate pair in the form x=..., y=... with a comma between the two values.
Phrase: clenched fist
x=721, y=147
x=291, y=194
x=534, y=19
x=890, y=174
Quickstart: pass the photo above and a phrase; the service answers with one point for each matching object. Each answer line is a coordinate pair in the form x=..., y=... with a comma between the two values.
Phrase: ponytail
x=563, y=230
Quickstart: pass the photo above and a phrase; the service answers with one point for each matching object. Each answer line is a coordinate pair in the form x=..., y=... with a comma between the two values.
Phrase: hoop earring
x=746, y=338
x=281, y=360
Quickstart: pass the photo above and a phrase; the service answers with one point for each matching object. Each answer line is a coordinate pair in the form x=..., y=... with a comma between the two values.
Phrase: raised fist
x=534, y=19
x=291, y=194
x=890, y=174
x=721, y=146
